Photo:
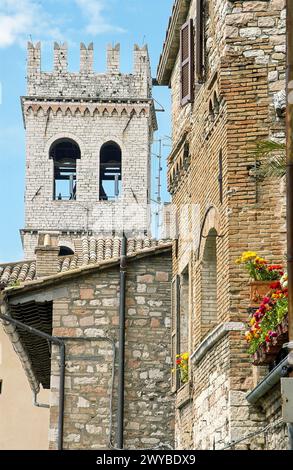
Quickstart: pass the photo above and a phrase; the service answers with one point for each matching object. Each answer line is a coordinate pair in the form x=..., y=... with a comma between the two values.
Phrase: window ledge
x=183, y=395
x=213, y=338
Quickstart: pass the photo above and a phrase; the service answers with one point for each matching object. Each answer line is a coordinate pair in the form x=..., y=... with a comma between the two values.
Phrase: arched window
x=209, y=282
x=64, y=153
x=65, y=251
x=110, y=171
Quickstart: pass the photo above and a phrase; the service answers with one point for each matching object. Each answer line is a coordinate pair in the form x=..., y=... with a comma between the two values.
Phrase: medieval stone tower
x=88, y=138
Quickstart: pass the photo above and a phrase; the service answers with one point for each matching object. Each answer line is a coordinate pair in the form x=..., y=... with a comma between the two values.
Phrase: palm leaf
x=272, y=158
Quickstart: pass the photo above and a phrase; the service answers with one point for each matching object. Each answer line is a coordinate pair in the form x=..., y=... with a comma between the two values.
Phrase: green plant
x=264, y=322
x=182, y=363
x=272, y=157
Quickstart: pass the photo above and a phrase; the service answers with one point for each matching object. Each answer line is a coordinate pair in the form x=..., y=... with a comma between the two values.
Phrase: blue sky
x=74, y=21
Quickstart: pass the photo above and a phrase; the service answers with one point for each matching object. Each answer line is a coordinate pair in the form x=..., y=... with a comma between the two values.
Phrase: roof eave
x=83, y=270
x=172, y=42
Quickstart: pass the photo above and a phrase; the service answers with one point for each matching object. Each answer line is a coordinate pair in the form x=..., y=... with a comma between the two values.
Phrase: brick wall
x=232, y=110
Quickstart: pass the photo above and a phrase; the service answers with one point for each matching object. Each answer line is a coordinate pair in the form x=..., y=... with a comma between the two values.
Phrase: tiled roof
x=88, y=251
x=16, y=273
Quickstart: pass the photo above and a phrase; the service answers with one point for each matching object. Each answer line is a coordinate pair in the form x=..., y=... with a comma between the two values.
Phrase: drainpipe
x=289, y=117
x=268, y=382
x=121, y=363
x=61, y=344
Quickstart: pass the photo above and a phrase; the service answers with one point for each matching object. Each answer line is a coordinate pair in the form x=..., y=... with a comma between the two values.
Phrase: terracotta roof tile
x=88, y=251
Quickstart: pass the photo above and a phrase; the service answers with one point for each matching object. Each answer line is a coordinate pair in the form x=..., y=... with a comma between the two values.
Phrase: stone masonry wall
x=87, y=83
x=232, y=110
x=91, y=310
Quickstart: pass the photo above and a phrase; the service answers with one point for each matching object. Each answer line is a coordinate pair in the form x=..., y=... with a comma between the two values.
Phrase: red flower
x=178, y=361
x=275, y=285
x=275, y=267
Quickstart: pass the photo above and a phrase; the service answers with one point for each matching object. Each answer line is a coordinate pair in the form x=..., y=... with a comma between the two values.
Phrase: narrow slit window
x=65, y=153
x=110, y=171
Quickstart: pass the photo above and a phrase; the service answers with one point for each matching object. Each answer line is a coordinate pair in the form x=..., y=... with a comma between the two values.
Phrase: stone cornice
x=90, y=107
x=83, y=109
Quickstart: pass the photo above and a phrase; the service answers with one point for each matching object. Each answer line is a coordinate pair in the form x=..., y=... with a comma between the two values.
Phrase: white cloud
x=20, y=19
x=93, y=11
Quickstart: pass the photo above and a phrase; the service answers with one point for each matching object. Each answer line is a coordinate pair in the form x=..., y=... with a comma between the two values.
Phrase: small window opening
x=110, y=171
x=211, y=112
x=216, y=104
x=1, y=382
x=65, y=251
x=64, y=153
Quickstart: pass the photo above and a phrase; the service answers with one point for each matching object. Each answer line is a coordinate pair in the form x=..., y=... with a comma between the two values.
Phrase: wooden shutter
x=187, y=62
x=199, y=41
x=175, y=331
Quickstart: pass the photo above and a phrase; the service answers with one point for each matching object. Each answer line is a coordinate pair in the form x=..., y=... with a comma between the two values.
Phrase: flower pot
x=258, y=290
x=267, y=353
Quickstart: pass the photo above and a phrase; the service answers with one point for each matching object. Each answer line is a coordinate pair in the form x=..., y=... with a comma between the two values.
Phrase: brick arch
x=211, y=221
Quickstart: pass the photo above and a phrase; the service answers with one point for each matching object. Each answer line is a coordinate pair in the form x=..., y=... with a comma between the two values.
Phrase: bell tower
x=88, y=138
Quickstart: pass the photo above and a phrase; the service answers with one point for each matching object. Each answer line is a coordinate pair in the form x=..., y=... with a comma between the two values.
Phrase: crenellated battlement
x=86, y=83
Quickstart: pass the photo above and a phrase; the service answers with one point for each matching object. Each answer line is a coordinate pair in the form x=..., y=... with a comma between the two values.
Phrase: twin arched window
x=65, y=153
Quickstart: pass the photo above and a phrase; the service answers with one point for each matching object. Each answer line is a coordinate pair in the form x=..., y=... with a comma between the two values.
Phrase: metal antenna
x=159, y=187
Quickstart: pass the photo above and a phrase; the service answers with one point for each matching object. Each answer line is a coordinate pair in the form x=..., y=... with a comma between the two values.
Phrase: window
x=187, y=62
x=175, y=345
x=110, y=171
x=64, y=153
x=209, y=283
x=65, y=251
x=216, y=104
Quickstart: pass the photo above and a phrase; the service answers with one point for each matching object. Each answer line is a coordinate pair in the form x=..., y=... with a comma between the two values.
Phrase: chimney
x=47, y=254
